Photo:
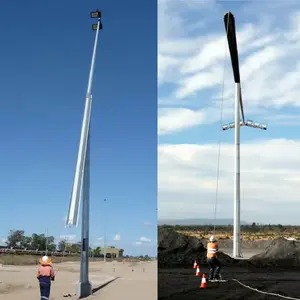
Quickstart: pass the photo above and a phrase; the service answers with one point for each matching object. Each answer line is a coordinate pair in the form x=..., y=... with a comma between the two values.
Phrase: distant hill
x=187, y=222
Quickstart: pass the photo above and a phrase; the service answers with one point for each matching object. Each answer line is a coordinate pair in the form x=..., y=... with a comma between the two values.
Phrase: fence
x=36, y=252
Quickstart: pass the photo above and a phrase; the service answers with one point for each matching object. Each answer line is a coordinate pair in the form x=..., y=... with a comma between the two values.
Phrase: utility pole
x=46, y=241
x=81, y=185
x=104, y=226
x=229, y=23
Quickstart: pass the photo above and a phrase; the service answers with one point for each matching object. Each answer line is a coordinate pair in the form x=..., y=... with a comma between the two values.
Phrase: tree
x=15, y=238
x=51, y=243
x=74, y=248
x=41, y=242
x=27, y=243
x=37, y=242
x=97, y=252
x=62, y=245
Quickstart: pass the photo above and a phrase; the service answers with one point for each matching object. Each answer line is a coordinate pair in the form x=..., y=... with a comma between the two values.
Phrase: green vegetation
x=248, y=232
x=17, y=239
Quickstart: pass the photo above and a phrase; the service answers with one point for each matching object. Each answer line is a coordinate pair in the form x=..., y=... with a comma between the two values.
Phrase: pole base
x=83, y=289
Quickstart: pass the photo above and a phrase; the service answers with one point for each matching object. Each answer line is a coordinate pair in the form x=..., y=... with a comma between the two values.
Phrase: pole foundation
x=83, y=289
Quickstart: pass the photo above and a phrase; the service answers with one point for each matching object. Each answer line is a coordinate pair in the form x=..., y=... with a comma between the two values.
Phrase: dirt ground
x=247, y=253
x=178, y=284
x=133, y=281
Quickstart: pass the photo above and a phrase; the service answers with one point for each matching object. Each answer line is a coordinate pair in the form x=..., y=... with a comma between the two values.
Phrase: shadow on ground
x=98, y=288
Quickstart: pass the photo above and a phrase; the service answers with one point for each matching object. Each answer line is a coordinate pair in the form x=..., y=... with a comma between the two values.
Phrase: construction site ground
x=133, y=281
x=274, y=268
x=178, y=284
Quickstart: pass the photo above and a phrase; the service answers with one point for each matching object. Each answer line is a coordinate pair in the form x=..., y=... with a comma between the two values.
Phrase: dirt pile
x=175, y=249
x=280, y=253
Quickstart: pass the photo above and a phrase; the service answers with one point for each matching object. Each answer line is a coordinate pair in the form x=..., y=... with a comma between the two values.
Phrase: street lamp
x=81, y=185
x=46, y=241
x=104, y=237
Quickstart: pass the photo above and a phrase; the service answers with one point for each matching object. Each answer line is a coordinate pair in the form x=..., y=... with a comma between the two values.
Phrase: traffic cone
x=203, y=282
x=195, y=265
x=198, y=271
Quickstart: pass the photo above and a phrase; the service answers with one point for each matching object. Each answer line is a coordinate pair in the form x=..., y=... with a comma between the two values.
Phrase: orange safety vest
x=212, y=249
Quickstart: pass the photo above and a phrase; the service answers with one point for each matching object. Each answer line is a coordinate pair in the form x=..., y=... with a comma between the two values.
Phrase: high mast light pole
x=229, y=23
x=81, y=185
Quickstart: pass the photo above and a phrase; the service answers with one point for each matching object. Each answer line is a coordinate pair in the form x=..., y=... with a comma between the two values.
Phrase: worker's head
x=45, y=260
x=212, y=239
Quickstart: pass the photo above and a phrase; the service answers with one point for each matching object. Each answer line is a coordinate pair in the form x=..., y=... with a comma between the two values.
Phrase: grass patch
x=23, y=260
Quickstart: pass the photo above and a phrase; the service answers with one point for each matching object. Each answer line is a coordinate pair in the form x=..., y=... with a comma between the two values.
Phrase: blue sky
x=192, y=50
x=45, y=58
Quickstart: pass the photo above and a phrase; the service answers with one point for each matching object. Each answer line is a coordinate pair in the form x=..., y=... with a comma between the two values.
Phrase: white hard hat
x=45, y=258
x=212, y=239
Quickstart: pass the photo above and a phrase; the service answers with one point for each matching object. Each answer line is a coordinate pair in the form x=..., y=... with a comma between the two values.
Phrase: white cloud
x=98, y=242
x=190, y=90
x=187, y=179
x=68, y=237
x=145, y=240
x=117, y=237
x=268, y=60
x=172, y=120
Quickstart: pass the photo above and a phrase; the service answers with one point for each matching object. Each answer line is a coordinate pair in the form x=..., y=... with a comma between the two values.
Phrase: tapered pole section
x=237, y=192
x=73, y=212
x=84, y=256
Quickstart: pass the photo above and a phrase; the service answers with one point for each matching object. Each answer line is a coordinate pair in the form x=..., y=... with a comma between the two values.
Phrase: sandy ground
x=247, y=253
x=133, y=281
x=138, y=281
x=178, y=284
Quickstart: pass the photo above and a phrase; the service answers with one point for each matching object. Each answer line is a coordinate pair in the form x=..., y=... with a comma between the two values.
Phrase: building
x=112, y=252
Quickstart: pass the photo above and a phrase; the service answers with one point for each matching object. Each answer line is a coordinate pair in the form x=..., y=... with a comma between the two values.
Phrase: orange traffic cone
x=198, y=271
x=195, y=265
x=203, y=282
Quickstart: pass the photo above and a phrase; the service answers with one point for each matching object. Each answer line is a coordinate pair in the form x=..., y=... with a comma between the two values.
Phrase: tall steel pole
x=237, y=177
x=84, y=287
x=229, y=23
x=81, y=185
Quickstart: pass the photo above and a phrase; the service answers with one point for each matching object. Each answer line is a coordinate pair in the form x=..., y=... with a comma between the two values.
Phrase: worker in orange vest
x=214, y=264
x=45, y=274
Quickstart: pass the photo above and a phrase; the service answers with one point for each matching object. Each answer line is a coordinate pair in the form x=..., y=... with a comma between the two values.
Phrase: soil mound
x=175, y=249
x=281, y=253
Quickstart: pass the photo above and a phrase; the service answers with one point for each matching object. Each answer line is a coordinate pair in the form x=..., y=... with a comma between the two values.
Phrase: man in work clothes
x=215, y=265
x=45, y=275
